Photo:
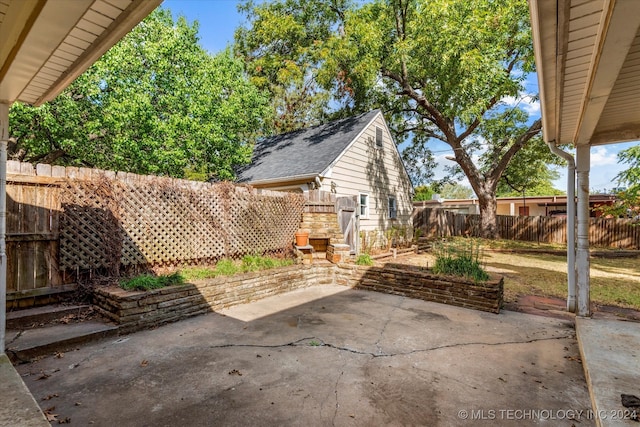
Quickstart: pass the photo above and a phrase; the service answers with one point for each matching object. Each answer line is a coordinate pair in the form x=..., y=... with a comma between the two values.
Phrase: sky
x=218, y=20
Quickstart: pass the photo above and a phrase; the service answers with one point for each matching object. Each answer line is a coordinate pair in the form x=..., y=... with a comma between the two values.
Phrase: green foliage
x=364, y=259
x=226, y=267
x=453, y=190
x=628, y=198
x=281, y=45
x=532, y=171
x=423, y=192
x=146, y=282
x=460, y=259
x=439, y=69
x=197, y=273
x=155, y=103
x=257, y=263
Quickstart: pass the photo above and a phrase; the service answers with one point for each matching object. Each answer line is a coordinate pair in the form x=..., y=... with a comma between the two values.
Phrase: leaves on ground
x=48, y=413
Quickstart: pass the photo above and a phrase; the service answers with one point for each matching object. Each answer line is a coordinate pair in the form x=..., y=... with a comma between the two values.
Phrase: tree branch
x=522, y=140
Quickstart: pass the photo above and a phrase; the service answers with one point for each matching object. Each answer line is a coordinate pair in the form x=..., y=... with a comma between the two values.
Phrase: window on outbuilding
x=379, y=142
x=393, y=208
x=364, y=205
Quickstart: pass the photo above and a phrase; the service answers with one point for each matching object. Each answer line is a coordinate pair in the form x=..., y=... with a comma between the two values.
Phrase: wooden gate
x=346, y=208
x=33, y=211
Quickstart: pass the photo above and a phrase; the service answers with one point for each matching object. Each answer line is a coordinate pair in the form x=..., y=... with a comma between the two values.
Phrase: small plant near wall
x=460, y=259
x=224, y=267
x=364, y=259
x=147, y=282
x=416, y=235
x=368, y=242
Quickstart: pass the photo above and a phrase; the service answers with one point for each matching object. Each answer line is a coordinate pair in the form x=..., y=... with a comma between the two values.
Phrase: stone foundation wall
x=139, y=310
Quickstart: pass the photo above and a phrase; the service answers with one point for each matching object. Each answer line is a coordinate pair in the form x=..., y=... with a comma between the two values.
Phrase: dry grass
x=614, y=281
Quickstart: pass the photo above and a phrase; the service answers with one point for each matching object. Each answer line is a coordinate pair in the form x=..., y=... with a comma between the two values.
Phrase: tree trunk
x=488, y=210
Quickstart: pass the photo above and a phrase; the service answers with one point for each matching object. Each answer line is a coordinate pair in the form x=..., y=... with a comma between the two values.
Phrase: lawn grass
x=614, y=281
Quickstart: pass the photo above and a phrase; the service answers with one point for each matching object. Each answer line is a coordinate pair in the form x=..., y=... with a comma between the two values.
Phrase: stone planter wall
x=420, y=283
x=139, y=310
x=134, y=310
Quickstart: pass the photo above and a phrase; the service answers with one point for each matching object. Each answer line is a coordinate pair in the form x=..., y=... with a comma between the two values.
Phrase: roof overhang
x=46, y=44
x=284, y=180
x=587, y=55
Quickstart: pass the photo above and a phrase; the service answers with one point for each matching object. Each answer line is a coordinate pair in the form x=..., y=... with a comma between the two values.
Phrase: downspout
x=4, y=136
x=571, y=223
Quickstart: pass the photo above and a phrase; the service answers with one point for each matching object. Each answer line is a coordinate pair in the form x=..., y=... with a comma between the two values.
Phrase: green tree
x=453, y=190
x=282, y=45
x=628, y=197
x=531, y=173
x=423, y=192
x=156, y=103
x=439, y=69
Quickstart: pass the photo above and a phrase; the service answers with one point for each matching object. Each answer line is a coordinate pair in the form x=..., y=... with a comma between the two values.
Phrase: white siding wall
x=363, y=168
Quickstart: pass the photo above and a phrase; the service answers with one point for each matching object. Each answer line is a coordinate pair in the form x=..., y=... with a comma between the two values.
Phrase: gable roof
x=304, y=153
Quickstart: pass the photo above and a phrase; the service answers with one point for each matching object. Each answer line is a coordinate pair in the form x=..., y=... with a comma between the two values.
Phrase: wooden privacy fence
x=318, y=201
x=603, y=232
x=65, y=221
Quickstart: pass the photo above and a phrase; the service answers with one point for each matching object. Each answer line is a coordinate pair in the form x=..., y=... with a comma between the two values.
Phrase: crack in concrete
x=18, y=335
x=335, y=391
x=386, y=323
x=322, y=343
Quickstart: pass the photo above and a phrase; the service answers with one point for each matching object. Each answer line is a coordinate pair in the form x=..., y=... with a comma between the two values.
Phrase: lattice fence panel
x=89, y=225
x=146, y=221
x=262, y=223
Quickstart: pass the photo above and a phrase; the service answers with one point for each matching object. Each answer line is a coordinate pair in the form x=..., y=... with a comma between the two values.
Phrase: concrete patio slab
x=18, y=407
x=326, y=355
x=23, y=345
x=611, y=353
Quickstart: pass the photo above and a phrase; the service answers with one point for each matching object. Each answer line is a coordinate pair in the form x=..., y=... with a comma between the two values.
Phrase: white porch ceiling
x=588, y=62
x=46, y=44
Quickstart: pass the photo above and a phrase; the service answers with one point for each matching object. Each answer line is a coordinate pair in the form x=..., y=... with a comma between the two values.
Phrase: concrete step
x=38, y=316
x=26, y=345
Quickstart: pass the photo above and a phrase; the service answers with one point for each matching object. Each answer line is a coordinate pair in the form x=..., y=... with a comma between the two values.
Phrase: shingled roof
x=305, y=152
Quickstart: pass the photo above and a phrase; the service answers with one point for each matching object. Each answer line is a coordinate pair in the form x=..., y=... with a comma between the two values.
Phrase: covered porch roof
x=46, y=44
x=588, y=63
x=587, y=56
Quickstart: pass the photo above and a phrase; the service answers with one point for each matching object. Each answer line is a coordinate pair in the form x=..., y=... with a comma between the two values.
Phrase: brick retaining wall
x=138, y=310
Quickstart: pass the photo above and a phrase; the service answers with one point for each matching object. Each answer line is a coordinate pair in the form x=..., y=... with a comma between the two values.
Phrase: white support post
x=571, y=224
x=4, y=137
x=582, y=254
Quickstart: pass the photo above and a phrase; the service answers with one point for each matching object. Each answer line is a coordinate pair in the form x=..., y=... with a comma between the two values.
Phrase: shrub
x=460, y=260
x=364, y=259
x=146, y=282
